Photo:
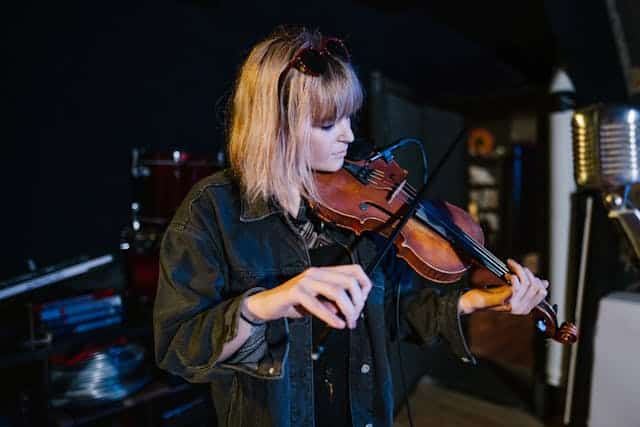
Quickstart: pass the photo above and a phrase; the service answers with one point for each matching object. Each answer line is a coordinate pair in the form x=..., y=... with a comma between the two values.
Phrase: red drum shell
x=163, y=179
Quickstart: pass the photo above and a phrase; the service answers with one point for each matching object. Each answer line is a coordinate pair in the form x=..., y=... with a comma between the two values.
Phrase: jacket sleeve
x=427, y=312
x=194, y=314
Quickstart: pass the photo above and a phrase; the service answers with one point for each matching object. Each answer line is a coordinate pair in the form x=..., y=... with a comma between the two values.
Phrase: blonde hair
x=269, y=130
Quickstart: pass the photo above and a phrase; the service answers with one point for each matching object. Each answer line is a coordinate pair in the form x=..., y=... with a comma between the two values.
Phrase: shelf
x=77, y=417
x=27, y=355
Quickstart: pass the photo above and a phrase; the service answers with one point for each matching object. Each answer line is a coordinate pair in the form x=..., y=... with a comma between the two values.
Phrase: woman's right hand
x=324, y=292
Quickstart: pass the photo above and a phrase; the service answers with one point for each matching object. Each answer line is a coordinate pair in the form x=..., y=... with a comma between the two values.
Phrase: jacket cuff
x=451, y=329
x=264, y=353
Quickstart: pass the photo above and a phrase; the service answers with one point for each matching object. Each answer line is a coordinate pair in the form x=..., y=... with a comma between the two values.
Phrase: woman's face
x=329, y=143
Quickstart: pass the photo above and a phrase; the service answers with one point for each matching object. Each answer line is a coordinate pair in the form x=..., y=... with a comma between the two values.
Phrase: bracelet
x=251, y=322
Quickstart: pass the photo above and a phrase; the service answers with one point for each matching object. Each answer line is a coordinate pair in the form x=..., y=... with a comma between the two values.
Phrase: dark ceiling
x=439, y=48
x=478, y=47
x=147, y=65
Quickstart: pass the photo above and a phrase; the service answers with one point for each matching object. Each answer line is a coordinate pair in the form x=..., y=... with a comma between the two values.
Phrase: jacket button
x=365, y=368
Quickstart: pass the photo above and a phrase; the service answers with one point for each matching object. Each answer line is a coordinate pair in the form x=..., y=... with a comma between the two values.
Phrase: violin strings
x=409, y=193
x=482, y=252
x=477, y=246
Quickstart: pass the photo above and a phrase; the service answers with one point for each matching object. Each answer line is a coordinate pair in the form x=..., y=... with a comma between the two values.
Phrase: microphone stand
x=319, y=347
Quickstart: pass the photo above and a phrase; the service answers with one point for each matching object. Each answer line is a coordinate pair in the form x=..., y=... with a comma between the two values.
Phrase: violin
x=440, y=241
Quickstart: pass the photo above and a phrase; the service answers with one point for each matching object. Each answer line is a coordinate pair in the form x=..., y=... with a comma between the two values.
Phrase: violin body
x=440, y=242
x=422, y=248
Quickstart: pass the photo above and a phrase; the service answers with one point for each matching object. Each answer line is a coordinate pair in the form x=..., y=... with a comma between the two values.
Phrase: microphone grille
x=606, y=145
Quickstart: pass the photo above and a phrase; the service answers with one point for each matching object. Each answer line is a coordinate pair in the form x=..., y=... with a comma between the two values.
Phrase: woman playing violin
x=238, y=300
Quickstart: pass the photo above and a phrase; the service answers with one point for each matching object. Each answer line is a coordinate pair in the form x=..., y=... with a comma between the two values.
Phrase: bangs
x=336, y=94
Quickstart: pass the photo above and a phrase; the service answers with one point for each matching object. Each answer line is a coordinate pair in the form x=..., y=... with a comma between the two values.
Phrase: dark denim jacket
x=217, y=249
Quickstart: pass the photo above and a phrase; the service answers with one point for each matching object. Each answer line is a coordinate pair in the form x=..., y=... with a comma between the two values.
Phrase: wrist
x=247, y=311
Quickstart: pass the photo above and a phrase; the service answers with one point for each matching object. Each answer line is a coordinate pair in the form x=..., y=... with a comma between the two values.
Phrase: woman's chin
x=332, y=166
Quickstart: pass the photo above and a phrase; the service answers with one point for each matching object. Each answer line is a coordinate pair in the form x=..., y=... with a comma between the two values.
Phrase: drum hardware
x=99, y=377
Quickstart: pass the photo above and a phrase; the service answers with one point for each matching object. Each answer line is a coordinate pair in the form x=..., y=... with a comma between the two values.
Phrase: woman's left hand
x=526, y=292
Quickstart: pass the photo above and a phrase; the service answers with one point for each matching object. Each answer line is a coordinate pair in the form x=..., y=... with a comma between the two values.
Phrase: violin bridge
x=396, y=191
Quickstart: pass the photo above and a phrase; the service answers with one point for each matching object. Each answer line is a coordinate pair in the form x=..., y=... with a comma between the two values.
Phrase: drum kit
x=161, y=180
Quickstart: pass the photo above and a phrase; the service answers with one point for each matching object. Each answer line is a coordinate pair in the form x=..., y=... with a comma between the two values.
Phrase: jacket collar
x=255, y=210
x=260, y=209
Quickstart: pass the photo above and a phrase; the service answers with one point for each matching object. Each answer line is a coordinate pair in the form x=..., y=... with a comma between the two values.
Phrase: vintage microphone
x=606, y=157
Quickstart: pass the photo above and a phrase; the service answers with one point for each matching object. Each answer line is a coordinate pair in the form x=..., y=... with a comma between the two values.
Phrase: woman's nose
x=346, y=133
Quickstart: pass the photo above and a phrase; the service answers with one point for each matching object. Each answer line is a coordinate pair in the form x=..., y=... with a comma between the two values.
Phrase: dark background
x=86, y=82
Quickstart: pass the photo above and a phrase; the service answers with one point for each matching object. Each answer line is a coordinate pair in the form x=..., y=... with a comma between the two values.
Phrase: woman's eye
x=327, y=126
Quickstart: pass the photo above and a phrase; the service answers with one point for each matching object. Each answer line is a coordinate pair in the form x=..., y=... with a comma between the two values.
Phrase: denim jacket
x=219, y=248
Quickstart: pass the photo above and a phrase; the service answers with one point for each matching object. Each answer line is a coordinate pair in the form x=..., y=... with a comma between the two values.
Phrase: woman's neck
x=294, y=205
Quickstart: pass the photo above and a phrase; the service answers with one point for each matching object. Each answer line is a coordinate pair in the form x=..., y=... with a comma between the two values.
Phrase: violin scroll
x=547, y=323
